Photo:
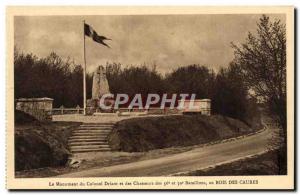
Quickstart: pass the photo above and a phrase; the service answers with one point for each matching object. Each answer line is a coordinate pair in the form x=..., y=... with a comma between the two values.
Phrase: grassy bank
x=144, y=134
x=264, y=164
x=40, y=144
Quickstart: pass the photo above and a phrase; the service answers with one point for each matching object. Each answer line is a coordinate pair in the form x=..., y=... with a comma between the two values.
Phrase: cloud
x=168, y=40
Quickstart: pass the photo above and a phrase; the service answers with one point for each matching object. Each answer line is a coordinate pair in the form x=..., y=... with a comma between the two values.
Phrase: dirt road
x=187, y=161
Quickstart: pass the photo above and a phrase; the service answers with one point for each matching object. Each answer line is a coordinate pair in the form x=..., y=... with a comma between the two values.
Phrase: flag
x=90, y=32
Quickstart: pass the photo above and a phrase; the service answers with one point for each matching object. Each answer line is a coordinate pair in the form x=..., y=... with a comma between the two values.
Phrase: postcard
x=150, y=98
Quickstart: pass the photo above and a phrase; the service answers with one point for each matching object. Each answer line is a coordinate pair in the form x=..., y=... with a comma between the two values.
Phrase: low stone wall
x=39, y=108
x=40, y=115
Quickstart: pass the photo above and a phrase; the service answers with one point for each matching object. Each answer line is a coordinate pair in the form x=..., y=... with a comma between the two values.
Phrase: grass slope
x=40, y=144
x=144, y=134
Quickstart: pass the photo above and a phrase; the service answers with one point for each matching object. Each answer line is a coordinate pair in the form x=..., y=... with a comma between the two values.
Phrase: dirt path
x=187, y=161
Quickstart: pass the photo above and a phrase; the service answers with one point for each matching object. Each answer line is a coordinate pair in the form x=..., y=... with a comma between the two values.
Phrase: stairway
x=90, y=137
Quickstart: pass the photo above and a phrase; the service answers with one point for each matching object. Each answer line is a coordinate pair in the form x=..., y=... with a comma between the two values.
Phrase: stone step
x=90, y=150
x=90, y=137
x=90, y=134
x=93, y=132
x=87, y=139
x=89, y=147
x=94, y=128
x=90, y=131
x=79, y=143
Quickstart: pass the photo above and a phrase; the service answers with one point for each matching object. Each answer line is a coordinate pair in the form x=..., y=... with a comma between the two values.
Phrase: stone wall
x=202, y=106
x=39, y=108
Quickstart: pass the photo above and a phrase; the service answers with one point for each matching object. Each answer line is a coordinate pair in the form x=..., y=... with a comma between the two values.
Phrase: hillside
x=40, y=144
x=144, y=134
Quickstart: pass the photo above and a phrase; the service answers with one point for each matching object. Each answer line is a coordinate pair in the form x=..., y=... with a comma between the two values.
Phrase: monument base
x=93, y=106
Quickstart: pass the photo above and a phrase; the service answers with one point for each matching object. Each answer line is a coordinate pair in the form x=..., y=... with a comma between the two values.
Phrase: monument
x=100, y=83
x=99, y=88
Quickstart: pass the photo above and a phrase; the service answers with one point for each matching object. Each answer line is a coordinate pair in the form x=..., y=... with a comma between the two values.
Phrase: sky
x=169, y=41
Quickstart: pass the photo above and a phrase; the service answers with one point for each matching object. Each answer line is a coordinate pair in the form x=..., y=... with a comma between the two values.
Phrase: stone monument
x=99, y=88
x=100, y=83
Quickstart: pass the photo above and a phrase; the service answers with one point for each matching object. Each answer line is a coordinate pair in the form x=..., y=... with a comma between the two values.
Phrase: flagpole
x=84, y=73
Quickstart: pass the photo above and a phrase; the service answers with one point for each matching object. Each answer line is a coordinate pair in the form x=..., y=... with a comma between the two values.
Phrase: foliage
x=263, y=61
x=62, y=80
x=191, y=79
x=134, y=79
x=230, y=94
x=50, y=77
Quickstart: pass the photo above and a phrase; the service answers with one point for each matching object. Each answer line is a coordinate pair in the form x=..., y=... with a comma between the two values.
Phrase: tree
x=191, y=79
x=48, y=77
x=133, y=80
x=230, y=94
x=263, y=61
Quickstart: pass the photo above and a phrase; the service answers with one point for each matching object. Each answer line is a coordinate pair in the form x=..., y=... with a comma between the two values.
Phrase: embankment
x=40, y=144
x=144, y=134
